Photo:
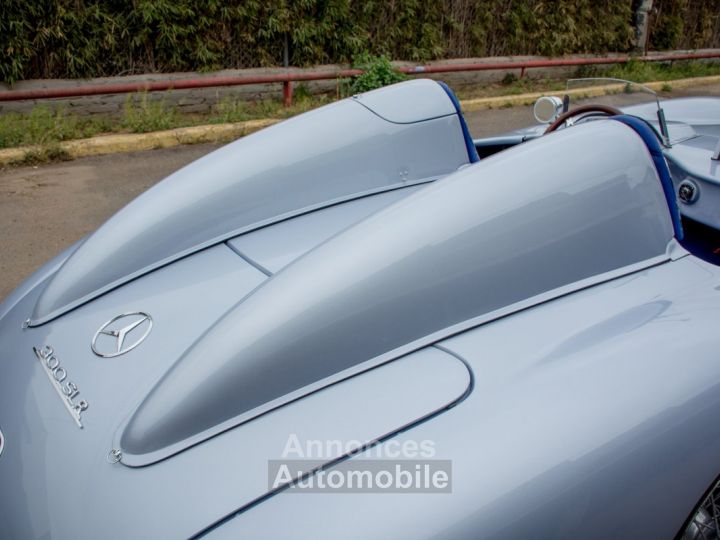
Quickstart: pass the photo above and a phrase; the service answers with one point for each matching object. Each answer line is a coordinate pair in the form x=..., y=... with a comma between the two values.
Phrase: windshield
x=632, y=98
x=615, y=92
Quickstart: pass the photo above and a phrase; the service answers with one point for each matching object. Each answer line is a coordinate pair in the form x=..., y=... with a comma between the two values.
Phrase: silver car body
x=355, y=274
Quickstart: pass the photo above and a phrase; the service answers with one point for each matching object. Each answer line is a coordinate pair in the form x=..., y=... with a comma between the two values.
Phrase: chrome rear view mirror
x=547, y=109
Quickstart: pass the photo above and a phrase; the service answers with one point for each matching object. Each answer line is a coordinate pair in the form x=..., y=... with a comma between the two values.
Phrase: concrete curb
x=133, y=142
x=480, y=104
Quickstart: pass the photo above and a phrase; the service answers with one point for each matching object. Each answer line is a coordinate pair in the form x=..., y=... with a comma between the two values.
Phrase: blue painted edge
x=473, y=156
x=650, y=138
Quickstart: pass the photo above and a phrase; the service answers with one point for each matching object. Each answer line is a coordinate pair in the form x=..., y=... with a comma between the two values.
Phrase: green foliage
x=235, y=109
x=73, y=38
x=667, y=33
x=88, y=38
x=301, y=92
x=141, y=115
x=657, y=71
x=230, y=110
x=509, y=78
x=45, y=154
x=685, y=24
x=44, y=125
x=378, y=72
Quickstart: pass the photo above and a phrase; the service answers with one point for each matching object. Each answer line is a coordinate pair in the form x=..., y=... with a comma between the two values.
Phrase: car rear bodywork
x=353, y=274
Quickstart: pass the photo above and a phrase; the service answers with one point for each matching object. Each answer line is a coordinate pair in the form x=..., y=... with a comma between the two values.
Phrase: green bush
x=89, y=38
x=378, y=72
x=140, y=115
x=654, y=71
x=685, y=24
x=44, y=125
x=667, y=32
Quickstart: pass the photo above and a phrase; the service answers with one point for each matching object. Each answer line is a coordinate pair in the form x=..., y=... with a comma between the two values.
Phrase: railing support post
x=287, y=85
x=287, y=93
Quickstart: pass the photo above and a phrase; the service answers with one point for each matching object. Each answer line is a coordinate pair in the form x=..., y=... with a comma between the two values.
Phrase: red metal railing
x=288, y=78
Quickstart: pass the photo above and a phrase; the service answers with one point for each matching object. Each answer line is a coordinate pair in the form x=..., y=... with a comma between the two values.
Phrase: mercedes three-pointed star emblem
x=121, y=334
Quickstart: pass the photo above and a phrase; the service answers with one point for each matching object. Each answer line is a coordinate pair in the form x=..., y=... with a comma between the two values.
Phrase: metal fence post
x=287, y=85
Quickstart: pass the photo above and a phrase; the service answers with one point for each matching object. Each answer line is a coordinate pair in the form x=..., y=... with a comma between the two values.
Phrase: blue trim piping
x=650, y=138
x=473, y=156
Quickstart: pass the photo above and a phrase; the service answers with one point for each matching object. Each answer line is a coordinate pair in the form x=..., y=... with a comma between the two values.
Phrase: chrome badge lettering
x=66, y=390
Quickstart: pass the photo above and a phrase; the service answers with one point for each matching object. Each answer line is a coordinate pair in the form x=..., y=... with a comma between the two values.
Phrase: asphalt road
x=44, y=209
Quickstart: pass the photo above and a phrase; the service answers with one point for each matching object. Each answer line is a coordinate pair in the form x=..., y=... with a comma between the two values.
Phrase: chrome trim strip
x=252, y=262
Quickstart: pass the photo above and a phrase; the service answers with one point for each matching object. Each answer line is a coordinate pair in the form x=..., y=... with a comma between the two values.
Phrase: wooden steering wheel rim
x=607, y=109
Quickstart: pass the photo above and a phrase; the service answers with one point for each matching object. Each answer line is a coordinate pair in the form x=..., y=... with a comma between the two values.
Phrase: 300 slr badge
x=67, y=390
